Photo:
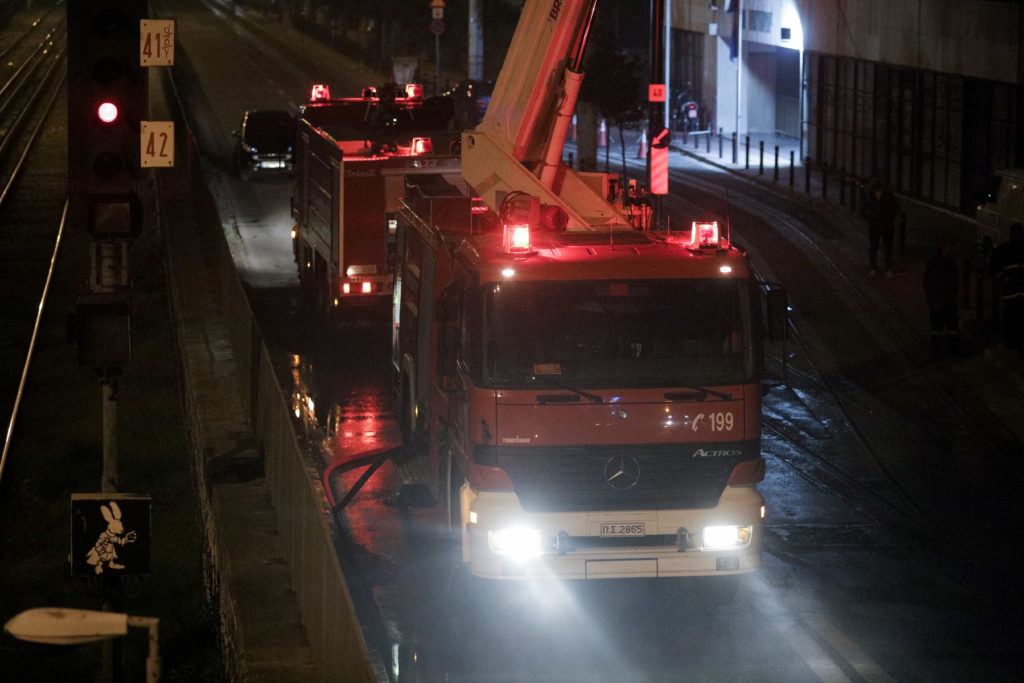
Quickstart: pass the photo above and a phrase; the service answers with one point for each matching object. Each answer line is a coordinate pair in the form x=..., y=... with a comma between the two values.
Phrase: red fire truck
x=352, y=155
x=583, y=396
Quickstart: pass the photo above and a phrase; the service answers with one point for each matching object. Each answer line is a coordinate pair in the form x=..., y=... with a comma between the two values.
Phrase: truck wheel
x=405, y=415
x=454, y=480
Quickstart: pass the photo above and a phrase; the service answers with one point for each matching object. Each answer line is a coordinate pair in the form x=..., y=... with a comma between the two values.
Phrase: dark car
x=264, y=142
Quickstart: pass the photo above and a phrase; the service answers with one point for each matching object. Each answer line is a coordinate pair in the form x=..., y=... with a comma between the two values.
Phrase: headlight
x=726, y=536
x=518, y=542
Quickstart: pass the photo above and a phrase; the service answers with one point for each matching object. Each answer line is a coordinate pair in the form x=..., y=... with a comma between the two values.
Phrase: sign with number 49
x=157, y=146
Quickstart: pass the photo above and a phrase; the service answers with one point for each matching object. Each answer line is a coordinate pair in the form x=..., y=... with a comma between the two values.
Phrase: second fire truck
x=352, y=155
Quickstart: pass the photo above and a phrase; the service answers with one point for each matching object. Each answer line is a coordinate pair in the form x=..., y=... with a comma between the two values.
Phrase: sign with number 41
x=156, y=42
x=157, y=143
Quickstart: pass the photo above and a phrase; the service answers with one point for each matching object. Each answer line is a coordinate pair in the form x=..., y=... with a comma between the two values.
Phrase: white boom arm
x=518, y=145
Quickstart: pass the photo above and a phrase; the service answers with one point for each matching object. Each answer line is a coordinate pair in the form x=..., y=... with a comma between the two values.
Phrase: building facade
x=928, y=94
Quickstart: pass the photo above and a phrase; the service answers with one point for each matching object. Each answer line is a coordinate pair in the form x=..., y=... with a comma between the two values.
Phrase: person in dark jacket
x=1007, y=268
x=879, y=209
x=941, y=283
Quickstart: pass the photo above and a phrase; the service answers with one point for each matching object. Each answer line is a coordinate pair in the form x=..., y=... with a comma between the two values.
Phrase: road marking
x=823, y=647
x=812, y=654
x=849, y=650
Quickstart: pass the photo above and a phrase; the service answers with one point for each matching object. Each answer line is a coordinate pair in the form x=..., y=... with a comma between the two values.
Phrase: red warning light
x=422, y=146
x=704, y=235
x=107, y=112
x=320, y=92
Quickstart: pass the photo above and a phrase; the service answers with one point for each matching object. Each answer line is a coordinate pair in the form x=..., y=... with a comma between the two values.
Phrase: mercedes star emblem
x=622, y=472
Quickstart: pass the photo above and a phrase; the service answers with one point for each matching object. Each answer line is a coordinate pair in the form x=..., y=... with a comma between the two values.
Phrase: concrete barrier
x=272, y=568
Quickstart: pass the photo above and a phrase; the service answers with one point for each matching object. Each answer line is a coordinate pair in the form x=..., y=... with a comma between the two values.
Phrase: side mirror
x=777, y=313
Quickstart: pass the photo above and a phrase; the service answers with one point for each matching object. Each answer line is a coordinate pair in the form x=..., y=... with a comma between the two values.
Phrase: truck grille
x=627, y=477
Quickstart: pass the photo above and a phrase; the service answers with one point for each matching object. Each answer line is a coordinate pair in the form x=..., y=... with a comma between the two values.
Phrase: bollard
x=707, y=149
x=746, y=153
x=966, y=303
x=719, y=143
x=776, y=164
x=807, y=175
x=792, y=168
x=760, y=163
x=734, y=141
x=696, y=142
x=903, y=234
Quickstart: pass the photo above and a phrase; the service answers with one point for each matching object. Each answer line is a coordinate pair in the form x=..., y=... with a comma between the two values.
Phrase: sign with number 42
x=157, y=146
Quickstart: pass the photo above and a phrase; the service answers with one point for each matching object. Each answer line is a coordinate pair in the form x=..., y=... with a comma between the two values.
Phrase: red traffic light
x=107, y=112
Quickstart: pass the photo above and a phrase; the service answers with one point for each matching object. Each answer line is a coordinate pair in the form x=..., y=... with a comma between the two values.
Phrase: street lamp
x=66, y=626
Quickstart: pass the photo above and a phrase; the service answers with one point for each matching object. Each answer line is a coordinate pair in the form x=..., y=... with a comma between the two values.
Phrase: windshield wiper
x=579, y=392
x=700, y=394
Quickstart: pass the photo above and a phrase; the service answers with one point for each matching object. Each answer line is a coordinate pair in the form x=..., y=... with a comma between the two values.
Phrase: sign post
x=437, y=28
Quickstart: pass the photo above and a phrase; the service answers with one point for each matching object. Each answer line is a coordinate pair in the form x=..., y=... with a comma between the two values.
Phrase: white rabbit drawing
x=104, y=551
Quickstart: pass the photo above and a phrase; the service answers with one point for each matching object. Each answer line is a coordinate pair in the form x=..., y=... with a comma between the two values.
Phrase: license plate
x=272, y=164
x=623, y=529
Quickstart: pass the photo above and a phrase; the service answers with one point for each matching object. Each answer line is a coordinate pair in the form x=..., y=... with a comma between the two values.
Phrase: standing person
x=1007, y=268
x=880, y=209
x=941, y=282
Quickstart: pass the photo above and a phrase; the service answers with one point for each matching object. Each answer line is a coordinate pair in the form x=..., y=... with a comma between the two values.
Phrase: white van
x=1001, y=208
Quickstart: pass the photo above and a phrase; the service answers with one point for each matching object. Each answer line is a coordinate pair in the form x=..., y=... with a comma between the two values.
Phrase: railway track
x=33, y=182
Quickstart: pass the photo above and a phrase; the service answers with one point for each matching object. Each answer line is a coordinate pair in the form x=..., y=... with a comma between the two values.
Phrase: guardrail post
x=734, y=143
x=776, y=179
x=707, y=149
x=807, y=175
x=719, y=143
x=792, y=166
x=746, y=153
x=760, y=163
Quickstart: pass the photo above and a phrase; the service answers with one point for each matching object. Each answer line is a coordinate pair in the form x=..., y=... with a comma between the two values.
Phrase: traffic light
x=107, y=100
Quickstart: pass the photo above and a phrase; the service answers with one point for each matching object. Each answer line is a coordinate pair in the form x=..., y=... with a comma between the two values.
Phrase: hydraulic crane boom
x=518, y=145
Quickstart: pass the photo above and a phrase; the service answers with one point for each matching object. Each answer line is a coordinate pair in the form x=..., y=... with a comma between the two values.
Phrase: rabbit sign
x=110, y=534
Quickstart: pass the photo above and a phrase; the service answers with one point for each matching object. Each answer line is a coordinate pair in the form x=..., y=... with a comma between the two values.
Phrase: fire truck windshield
x=638, y=333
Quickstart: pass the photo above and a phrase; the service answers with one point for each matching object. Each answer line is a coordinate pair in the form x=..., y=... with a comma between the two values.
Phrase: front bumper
x=572, y=547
